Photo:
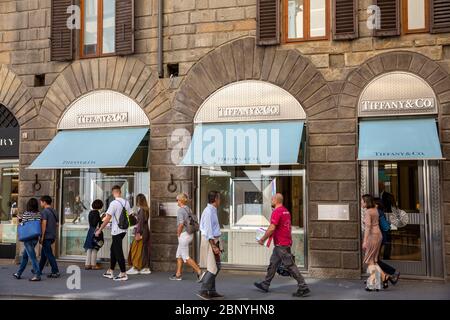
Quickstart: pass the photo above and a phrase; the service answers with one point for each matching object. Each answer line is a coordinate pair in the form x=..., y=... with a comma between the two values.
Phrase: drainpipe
x=160, y=38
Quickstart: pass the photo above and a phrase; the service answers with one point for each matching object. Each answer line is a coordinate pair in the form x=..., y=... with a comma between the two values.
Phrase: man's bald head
x=277, y=199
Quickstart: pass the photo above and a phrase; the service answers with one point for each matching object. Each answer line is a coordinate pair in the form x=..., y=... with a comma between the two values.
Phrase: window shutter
x=345, y=21
x=390, y=18
x=268, y=22
x=61, y=36
x=440, y=16
x=124, y=27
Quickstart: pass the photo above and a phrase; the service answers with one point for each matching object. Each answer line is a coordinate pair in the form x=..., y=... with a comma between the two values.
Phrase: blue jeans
x=47, y=253
x=29, y=252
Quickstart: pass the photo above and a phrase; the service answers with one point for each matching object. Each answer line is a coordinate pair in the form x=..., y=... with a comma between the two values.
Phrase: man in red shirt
x=280, y=230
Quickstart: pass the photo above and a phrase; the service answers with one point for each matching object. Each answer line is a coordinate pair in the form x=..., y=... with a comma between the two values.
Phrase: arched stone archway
x=331, y=139
x=14, y=95
x=434, y=74
x=439, y=81
x=126, y=75
x=243, y=60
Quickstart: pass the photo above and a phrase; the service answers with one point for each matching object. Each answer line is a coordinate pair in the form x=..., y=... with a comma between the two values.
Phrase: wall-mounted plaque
x=168, y=209
x=334, y=212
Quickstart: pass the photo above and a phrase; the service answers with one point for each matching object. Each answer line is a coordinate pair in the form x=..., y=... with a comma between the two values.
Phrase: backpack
x=385, y=226
x=124, y=219
x=191, y=222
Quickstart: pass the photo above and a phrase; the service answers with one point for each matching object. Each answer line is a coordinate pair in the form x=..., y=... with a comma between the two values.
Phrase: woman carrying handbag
x=29, y=232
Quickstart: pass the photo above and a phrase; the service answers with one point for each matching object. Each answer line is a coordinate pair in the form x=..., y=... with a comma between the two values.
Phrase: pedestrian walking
x=392, y=275
x=187, y=225
x=210, y=247
x=50, y=222
x=95, y=221
x=31, y=214
x=372, y=243
x=115, y=213
x=280, y=232
x=139, y=255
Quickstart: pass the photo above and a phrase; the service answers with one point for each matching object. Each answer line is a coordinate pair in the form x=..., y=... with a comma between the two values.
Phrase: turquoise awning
x=98, y=148
x=399, y=139
x=245, y=143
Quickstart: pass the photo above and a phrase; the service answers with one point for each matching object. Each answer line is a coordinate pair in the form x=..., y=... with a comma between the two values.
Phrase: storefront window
x=81, y=188
x=9, y=192
x=401, y=179
x=246, y=206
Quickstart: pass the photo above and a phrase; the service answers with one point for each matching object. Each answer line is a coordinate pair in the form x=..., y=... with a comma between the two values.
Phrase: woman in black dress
x=94, y=222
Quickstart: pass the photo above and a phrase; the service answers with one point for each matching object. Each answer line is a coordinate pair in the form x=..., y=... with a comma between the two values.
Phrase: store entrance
x=246, y=194
x=413, y=248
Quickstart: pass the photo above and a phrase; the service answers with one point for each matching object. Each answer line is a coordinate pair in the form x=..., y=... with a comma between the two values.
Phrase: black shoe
x=301, y=293
x=261, y=287
x=17, y=276
x=394, y=279
x=216, y=296
x=203, y=295
x=54, y=275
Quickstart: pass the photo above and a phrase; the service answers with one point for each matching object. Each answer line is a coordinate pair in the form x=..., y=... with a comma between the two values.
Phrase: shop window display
x=9, y=192
x=80, y=189
x=246, y=194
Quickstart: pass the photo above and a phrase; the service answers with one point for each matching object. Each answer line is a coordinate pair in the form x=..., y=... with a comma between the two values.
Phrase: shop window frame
x=306, y=23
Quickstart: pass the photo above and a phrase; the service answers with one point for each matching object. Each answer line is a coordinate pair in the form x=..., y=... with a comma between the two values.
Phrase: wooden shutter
x=440, y=16
x=124, y=27
x=268, y=22
x=345, y=19
x=390, y=18
x=61, y=36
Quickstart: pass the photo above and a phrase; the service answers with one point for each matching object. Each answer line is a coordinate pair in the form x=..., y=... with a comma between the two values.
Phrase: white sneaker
x=121, y=278
x=108, y=275
x=145, y=271
x=133, y=271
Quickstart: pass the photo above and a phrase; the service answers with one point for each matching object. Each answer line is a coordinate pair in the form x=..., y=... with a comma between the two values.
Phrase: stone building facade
x=214, y=44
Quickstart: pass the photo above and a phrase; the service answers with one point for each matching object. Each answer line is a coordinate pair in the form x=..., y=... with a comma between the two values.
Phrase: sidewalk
x=234, y=285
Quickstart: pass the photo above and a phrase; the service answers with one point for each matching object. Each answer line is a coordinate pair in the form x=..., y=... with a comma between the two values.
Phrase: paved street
x=234, y=285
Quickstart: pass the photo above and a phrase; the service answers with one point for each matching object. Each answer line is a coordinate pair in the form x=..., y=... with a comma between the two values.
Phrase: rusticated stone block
x=347, y=139
x=323, y=140
x=341, y=154
x=347, y=191
x=344, y=230
x=325, y=259
x=333, y=171
x=319, y=229
x=350, y=260
x=332, y=244
x=332, y=126
x=163, y=224
x=317, y=154
x=323, y=191
x=446, y=191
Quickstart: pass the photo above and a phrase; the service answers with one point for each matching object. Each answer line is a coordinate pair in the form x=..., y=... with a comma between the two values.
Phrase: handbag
x=98, y=242
x=399, y=217
x=29, y=230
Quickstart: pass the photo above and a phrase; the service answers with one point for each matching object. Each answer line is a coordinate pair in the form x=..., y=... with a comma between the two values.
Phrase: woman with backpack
x=139, y=255
x=187, y=225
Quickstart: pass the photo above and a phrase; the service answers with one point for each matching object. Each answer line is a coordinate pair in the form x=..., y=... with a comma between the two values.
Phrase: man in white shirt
x=210, y=249
x=113, y=214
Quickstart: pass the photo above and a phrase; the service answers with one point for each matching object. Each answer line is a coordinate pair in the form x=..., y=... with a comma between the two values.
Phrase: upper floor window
x=415, y=16
x=97, y=27
x=306, y=19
